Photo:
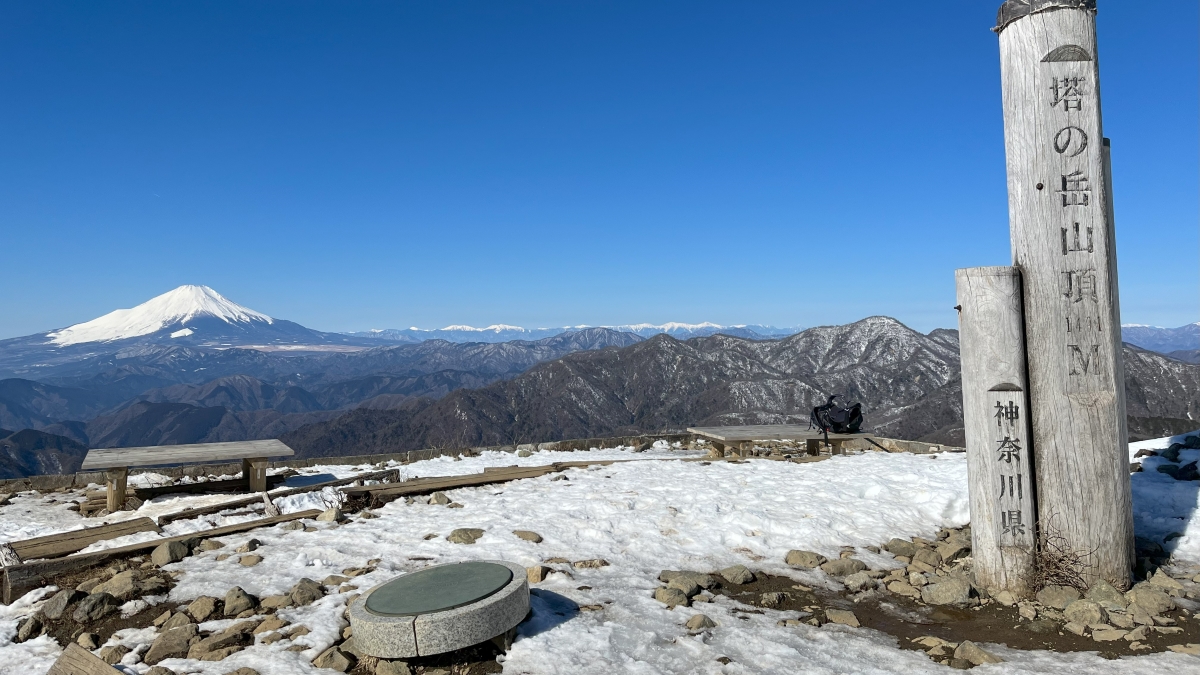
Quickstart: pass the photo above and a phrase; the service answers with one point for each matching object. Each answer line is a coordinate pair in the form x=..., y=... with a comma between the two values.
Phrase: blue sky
x=370, y=165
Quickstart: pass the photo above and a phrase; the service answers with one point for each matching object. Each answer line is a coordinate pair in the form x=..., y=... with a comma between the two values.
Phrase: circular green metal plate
x=439, y=588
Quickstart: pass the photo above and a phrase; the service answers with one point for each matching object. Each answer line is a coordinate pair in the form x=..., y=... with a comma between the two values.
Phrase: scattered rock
x=1150, y=599
x=1042, y=626
x=439, y=498
x=210, y=545
x=671, y=597
x=177, y=619
x=524, y=453
x=953, y=591
x=1086, y=612
x=1186, y=649
x=392, y=668
x=685, y=584
x=334, y=659
x=858, y=581
x=1057, y=597
x=275, y=601
x=1106, y=596
x=927, y=556
x=953, y=550
x=528, y=536
x=268, y=625
x=843, y=567
x=1071, y=627
x=202, y=608
x=248, y=547
x=805, y=559
x=331, y=515
x=700, y=622
x=334, y=580
x=30, y=628
x=122, y=586
x=112, y=655
x=842, y=616
x=772, y=599
x=160, y=670
x=591, y=564
x=305, y=592
x=737, y=574
x=1161, y=580
x=172, y=551
x=465, y=535
x=1107, y=634
x=57, y=605
x=538, y=573
x=974, y=654
x=95, y=607
x=250, y=560
x=89, y=641
x=172, y=644
x=87, y=586
x=239, y=671
x=238, y=601
x=901, y=547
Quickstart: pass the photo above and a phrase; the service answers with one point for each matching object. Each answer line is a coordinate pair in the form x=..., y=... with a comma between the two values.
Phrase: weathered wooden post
x=1062, y=242
x=996, y=425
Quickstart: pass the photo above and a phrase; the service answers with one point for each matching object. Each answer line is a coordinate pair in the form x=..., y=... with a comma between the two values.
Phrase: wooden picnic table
x=116, y=461
x=742, y=438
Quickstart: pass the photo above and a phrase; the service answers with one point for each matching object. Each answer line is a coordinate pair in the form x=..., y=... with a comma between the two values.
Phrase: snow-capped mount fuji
x=188, y=316
x=179, y=313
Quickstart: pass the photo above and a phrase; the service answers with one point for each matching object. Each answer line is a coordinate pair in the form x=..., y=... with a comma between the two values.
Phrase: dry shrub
x=1056, y=563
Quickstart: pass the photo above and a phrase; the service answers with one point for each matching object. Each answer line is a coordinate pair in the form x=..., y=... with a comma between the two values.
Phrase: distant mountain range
x=504, y=333
x=1184, y=339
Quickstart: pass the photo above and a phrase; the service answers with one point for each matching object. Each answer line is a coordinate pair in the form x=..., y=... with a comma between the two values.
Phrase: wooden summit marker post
x=1063, y=245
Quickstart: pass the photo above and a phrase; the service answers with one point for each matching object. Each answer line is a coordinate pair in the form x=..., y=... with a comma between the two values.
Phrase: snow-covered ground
x=642, y=517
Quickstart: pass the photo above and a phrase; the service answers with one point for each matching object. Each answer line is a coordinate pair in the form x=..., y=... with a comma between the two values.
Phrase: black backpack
x=833, y=418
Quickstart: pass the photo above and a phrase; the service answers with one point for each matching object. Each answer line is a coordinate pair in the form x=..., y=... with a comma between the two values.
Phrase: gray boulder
x=738, y=574
x=1103, y=594
x=858, y=581
x=953, y=591
x=57, y=605
x=306, y=592
x=1085, y=612
x=95, y=607
x=465, y=535
x=1150, y=599
x=901, y=547
x=172, y=644
x=1057, y=597
x=238, y=601
x=806, y=559
x=202, y=608
x=969, y=651
x=671, y=597
x=30, y=628
x=843, y=567
x=172, y=551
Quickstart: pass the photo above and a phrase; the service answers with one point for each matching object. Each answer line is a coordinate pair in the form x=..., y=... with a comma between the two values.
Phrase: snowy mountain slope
x=1163, y=340
x=504, y=333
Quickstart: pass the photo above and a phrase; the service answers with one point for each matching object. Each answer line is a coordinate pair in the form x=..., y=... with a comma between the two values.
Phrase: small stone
x=392, y=668
x=238, y=601
x=843, y=567
x=239, y=671
x=1108, y=635
x=1075, y=627
x=953, y=550
x=202, y=608
x=172, y=644
x=249, y=546
x=671, y=597
x=122, y=586
x=953, y=591
x=1057, y=597
x=210, y=545
x=1120, y=620
x=275, y=601
x=268, y=625
x=1139, y=633
x=30, y=628
x=928, y=556
x=465, y=535
x=1106, y=596
x=57, y=605
x=774, y=599
x=918, y=579
x=974, y=654
x=901, y=547
x=538, y=573
x=689, y=587
x=95, y=607
x=294, y=525
x=591, y=564
x=250, y=560
x=112, y=655
x=858, y=581
x=1151, y=599
x=87, y=586
x=172, y=551
x=89, y=641
x=177, y=619
x=1042, y=626
x=439, y=498
x=305, y=592
x=1027, y=610
x=527, y=535
x=331, y=515
x=842, y=616
x=904, y=588
x=1161, y=580
x=700, y=622
x=1086, y=612
x=222, y=556
x=161, y=618
x=1191, y=648
x=334, y=659
x=804, y=559
x=737, y=574
x=334, y=580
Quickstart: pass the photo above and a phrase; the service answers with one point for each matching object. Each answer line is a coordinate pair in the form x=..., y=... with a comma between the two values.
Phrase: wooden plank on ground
x=768, y=432
x=66, y=543
x=418, y=486
x=20, y=579
x=106, y=458
x=76, y=660
x=257, y=499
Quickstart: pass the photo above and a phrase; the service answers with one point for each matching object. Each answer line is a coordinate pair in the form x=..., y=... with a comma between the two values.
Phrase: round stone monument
x=440, y=609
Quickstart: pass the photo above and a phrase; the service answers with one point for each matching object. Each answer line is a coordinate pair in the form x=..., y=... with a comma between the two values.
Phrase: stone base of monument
x=440, y=609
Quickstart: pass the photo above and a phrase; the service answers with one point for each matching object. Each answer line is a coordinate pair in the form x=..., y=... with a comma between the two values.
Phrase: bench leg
x=720, y=448
x=812, y=446
x=116, y=480
x=255, y=472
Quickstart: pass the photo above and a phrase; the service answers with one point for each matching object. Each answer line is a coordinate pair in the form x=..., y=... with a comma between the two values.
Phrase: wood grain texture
x=66, y=543
x=76, y=660
x=183, y=454
x=20, y=579
x=1061, y=241
x=995, y=418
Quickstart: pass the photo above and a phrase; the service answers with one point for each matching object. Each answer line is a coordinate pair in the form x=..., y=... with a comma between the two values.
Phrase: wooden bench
x=741, y=438
x=116, y=461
